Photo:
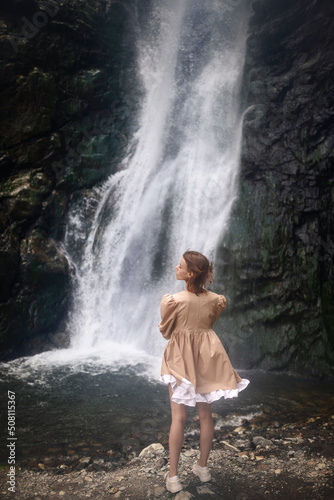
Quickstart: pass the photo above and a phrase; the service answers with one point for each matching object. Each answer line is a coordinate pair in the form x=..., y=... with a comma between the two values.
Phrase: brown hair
x=202, y=271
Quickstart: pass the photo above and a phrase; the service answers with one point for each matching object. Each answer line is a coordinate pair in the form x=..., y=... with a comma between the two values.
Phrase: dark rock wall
x=65, y=67
x=277, y=260
x=66, y=112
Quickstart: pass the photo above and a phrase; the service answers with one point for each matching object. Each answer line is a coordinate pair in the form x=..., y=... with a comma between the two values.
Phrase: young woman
x=195, y=364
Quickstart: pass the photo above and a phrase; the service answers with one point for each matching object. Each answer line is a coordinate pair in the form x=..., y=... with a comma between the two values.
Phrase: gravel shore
x=262, y=458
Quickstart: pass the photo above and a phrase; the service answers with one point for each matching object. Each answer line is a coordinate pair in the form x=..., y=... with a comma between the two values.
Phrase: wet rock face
x=277, y=258
x=65, y=66
x=42, y=273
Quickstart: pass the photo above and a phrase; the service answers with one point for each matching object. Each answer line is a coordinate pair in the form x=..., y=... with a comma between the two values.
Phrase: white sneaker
x=173, y=483
x=202, y=472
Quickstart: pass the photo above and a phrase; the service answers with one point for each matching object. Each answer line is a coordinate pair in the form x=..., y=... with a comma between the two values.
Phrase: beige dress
x=195, y=362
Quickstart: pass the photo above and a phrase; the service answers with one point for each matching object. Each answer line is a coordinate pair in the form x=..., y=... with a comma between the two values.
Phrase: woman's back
x=186, y=311
x=195, y=362
x=196, y=312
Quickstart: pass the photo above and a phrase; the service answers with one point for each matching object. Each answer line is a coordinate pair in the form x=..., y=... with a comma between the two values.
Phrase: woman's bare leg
x=206, y=435
x=176, y=434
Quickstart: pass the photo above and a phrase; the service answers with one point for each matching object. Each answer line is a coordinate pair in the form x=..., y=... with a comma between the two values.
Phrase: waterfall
x=175, y=189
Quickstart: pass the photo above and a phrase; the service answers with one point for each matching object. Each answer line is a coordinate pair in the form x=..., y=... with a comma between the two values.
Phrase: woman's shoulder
x=174, y=298
x=212, y=295
x=170, y=299
x=220, y=299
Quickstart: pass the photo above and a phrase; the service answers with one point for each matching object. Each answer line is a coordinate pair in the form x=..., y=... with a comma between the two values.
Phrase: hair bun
x=201, y=268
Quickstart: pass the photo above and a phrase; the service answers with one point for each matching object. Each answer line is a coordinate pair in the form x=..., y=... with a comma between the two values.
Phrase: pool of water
x=91, y=407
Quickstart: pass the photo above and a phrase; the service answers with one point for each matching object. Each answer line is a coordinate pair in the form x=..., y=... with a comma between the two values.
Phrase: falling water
x=175, y=189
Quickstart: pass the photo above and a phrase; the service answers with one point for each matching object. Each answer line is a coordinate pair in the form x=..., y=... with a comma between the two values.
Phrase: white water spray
x=176, y=190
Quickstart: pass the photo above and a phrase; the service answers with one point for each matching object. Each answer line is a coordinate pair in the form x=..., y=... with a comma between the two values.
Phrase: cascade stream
x=175, y=188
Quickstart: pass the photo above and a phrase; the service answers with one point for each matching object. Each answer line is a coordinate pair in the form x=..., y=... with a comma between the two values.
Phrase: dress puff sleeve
x=168, y=310
x=221, y=305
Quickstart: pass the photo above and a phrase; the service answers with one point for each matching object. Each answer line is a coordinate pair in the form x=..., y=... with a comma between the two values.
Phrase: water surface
x=91, y=407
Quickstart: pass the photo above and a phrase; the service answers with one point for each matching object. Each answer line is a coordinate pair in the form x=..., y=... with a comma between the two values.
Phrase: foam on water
x=236, y=420
x=50, y=367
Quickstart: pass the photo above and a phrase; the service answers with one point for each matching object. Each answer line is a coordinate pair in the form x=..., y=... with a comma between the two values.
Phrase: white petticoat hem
x=185, y=394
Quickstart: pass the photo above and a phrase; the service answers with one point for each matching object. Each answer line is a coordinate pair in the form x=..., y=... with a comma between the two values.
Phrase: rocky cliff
x=66, y=69
x=277, y=259
x=64, y=124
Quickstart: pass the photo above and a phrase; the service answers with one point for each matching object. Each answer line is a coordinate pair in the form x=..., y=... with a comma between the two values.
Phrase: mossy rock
x=34, y=102
x=44, y=276
x=9, y=263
